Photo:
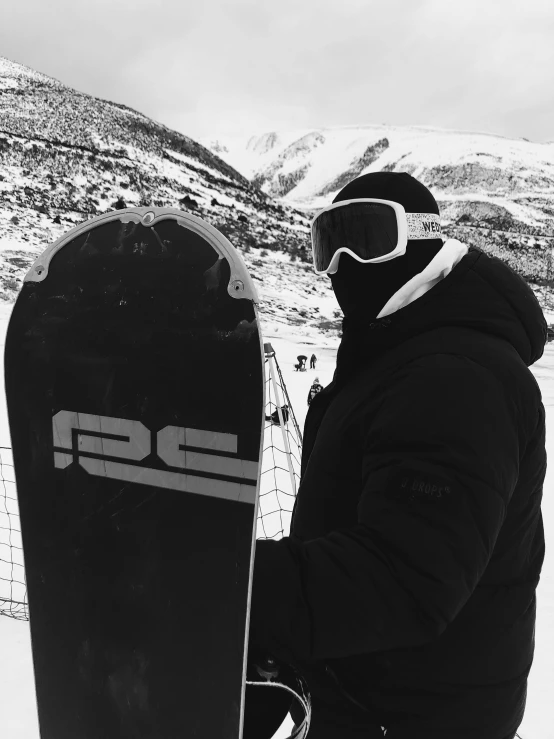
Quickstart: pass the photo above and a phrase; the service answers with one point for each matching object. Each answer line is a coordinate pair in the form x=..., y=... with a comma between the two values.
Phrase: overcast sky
x=210, y=67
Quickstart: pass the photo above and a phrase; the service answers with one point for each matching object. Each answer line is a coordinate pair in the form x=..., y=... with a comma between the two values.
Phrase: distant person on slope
x=313, y=360
x=405, y=592
x=314, y=390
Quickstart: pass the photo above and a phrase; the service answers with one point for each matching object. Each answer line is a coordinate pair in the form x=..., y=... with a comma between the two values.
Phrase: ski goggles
x=368, y=229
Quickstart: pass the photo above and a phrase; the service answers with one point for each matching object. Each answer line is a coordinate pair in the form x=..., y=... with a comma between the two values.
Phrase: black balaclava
x=362, y=290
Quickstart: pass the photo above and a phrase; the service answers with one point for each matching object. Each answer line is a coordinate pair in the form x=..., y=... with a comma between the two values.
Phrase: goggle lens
x=369, y=230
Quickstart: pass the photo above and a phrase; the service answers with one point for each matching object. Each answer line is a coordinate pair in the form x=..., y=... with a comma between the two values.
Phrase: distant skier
x=406, y=591
x=314, y=390
x=313, y=360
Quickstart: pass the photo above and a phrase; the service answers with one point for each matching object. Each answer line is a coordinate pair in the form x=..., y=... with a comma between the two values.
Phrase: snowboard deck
x=135, y=390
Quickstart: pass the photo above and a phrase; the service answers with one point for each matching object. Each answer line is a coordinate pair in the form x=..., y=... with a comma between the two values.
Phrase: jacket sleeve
x=440, y=463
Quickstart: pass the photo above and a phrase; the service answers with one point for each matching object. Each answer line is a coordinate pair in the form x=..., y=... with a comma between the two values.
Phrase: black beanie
x=362, y=290
x=400, y=187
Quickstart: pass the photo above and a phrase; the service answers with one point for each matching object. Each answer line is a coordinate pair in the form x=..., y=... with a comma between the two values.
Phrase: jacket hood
x=481, y=293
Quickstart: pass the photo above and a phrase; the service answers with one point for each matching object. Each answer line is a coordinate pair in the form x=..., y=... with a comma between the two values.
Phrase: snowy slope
x=66, y=156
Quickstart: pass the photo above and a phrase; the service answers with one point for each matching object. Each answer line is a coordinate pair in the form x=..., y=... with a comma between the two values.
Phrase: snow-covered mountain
x=493, y=191
x=66, y=156
x=308, y=167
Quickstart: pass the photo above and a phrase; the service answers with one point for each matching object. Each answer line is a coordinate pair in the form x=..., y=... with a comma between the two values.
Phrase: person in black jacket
x=315, y=388
x=406, y=591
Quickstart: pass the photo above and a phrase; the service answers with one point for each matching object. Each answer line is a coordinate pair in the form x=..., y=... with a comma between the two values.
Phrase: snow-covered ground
x=18, y=718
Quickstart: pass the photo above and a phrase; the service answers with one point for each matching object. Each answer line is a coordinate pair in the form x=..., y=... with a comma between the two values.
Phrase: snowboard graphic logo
x=116, y=448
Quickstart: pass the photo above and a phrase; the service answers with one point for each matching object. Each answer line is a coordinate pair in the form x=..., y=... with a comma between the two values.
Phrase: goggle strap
x=423, y=226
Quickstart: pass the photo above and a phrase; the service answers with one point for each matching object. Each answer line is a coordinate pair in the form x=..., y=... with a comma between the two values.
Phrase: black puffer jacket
x=417, y=542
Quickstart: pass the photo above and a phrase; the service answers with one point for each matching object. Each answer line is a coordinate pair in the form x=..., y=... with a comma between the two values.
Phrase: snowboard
x=134, y=374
